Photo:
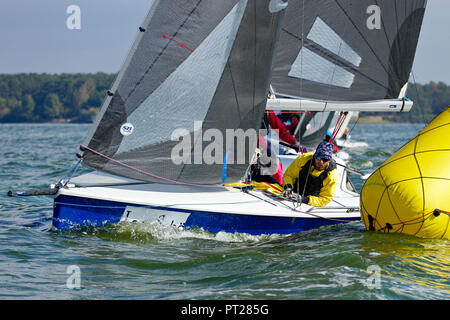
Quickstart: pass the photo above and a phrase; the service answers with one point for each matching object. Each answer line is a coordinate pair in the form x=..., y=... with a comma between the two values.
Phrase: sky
x=35, y=37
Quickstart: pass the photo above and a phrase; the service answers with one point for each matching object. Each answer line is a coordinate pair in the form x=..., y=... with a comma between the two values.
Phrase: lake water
x=147, y=262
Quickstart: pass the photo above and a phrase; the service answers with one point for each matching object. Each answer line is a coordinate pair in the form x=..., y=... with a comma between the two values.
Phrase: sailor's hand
x=287, y=191
x=297, y=147
x=299, y=198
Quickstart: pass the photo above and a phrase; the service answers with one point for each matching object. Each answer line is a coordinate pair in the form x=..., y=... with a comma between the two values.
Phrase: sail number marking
x=154, y=215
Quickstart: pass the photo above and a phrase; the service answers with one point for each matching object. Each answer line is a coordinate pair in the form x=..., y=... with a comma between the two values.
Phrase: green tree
x=52, y=107
x=27, y=108
x=4, y=110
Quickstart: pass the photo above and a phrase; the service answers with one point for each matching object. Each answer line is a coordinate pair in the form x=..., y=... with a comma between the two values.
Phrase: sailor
x=270, y=118
x=294, y=118
x=328, y=138
x=268, y=168
x=312, y=178
x=345, y=134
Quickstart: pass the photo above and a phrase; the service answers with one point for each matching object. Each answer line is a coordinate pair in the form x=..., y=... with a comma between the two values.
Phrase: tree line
x=52, y=97
x=78, y=97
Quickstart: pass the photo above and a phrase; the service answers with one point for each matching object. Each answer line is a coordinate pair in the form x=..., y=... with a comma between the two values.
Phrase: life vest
x=314, y=184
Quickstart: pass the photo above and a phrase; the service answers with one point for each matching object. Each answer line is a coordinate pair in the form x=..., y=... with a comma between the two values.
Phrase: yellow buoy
x=410, y=192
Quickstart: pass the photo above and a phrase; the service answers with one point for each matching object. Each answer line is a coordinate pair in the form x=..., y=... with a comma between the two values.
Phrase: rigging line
x=405, y=6
x=65, y=180
x=301, y=58
x=362, y=36
x=331, y=80
x=350, y=131
x=337, y=129
x=250, y=193
x=387, y=39
x=306, y=180
x=384, y=27
x=318, y=216
x=148, y=173
x=254, y=60
x=306, y=212
x=234, y=90
x=341, y=204
x=396, y=14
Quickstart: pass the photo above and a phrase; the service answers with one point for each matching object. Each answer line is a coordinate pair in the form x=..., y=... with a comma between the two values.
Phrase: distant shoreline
x=362, y=120
x=372, y=120
x=77, y=98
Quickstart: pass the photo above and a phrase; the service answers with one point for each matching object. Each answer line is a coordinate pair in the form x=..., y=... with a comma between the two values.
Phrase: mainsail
x=344, y=55
x=347, y=50
x=195, y=66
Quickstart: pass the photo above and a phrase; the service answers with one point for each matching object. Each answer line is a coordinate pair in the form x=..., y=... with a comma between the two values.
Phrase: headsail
x=347, y=50
x=195, y=66
x=313, y=126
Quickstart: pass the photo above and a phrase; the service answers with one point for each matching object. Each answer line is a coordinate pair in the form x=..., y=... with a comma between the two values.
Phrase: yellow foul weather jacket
x=329, y=183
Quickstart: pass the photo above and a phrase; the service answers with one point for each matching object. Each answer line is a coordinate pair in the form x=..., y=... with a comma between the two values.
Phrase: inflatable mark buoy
x=410, y=192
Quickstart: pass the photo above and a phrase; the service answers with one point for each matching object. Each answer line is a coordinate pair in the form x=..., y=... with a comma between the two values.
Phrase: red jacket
x=292, y=127
x=283, y=131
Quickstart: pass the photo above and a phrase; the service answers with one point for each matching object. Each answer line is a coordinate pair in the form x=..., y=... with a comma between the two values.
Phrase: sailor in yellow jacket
x=312, y=178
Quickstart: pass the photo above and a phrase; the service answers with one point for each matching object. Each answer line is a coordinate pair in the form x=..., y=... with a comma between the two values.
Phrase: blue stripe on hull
x=71, y=212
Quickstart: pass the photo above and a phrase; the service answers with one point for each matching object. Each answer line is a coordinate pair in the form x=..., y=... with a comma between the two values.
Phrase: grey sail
x=313, y=126
x=197, y=71
x=347, y=50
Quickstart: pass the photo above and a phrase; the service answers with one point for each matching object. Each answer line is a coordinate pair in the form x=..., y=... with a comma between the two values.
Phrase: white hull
x=183, y=206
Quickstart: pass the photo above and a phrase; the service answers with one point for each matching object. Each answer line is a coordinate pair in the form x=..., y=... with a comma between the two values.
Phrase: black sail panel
x=347, y=50
x=197, y=66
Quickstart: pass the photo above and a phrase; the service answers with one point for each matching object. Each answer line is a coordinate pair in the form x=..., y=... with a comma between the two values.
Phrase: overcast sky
x=34, y=37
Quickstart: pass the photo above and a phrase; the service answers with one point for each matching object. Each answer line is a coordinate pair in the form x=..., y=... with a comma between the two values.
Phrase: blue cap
x=324, y=150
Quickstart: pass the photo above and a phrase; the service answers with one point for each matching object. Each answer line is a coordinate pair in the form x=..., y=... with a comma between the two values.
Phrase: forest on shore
x=32, y=97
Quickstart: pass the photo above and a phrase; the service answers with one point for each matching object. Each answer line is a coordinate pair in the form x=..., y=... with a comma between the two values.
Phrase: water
x=147, y=262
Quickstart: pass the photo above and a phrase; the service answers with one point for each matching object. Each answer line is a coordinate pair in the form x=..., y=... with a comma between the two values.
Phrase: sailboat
x=196, y=80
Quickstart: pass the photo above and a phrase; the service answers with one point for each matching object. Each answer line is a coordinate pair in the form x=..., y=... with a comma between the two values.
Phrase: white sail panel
x=311, y=66
x=325, y=36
